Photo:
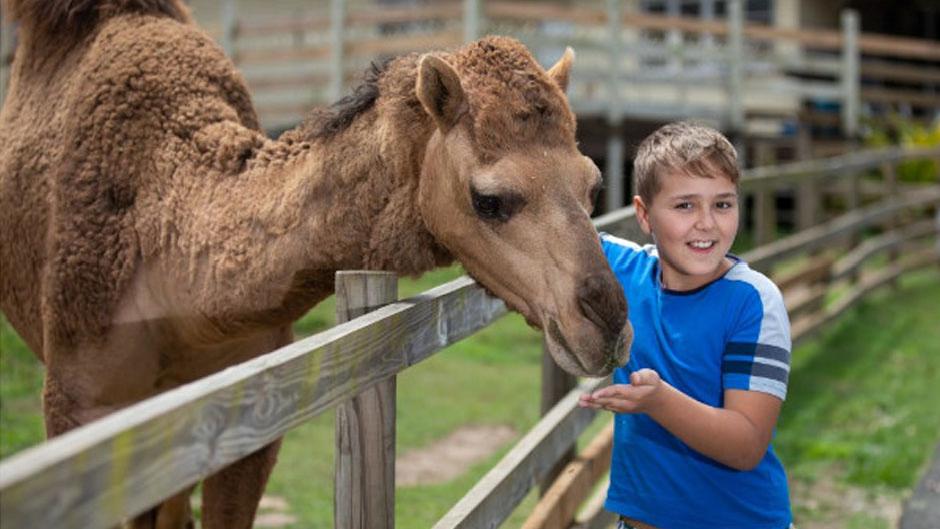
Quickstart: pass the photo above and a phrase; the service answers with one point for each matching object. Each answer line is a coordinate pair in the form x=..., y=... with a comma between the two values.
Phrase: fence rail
x=97, y=475
x=327, y=45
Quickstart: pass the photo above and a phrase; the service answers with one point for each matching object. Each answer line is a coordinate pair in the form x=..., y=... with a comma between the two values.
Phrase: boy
x=697, y=404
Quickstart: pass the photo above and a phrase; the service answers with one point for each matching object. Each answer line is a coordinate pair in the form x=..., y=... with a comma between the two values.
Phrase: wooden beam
x=917, y=98
x=814, y=271
x=806, y=327
x=394, y=45
x=764, y=257
x=556, y=384
x=405, y=14
x=364, y=485
x=789, y=174
x=883, y=70
x=498, y=493
x=852, y=262
x=801, y=300
x=541, y=11
x=557, y=509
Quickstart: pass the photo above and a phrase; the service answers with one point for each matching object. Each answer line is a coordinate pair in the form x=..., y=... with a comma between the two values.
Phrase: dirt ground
x=832, y=505
x=449, y=457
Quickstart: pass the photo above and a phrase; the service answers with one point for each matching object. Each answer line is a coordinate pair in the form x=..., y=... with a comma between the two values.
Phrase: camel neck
x=366, y=177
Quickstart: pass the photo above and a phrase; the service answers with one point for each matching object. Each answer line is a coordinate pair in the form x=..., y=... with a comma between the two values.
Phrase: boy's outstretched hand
x=641, y=395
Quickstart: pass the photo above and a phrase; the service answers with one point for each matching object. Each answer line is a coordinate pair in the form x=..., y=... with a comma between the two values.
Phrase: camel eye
x=495, y=207
x=488, y=207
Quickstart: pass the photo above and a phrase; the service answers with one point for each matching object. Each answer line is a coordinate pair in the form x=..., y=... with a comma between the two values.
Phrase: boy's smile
x=693, y=221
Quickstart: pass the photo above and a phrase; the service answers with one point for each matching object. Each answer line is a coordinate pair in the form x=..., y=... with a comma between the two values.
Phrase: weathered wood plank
x=804, y=328
x=765, y=256
x=495, y=496
x=772, y=177
x=593, y=515
x=96, y=475
x=364, y=482
x=889, y=241
x=557, y=509
x=815, y=270
x=802, y=300
x=556, y=384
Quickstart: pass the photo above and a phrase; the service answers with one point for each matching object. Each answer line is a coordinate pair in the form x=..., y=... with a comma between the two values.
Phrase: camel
x=152, y=234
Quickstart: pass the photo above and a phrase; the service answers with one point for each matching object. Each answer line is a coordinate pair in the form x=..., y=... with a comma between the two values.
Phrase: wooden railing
x=629, y=63
x=95, y=476
x=746, y=78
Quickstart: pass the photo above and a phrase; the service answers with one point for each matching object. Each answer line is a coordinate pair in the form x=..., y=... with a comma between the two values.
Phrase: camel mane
x=327, y=122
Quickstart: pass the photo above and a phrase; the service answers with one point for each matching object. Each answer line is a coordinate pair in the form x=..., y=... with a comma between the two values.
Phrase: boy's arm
x=736, y=435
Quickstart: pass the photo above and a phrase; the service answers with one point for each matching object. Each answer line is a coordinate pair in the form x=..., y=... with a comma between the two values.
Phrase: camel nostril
x=602, y=302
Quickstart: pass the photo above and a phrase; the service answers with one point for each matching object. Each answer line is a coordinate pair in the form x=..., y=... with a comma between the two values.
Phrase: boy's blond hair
x=683, y=147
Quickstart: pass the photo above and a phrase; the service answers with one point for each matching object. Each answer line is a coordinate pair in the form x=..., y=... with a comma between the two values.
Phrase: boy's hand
x=641, y=395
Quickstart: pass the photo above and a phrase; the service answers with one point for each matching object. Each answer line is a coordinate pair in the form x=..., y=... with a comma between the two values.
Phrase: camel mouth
x=597, y=359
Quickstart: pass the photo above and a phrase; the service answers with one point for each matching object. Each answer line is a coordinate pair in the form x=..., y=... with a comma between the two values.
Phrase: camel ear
x=438, y=88
x=560, y=72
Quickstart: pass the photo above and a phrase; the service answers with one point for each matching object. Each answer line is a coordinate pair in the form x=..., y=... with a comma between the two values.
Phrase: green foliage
x=21, y=423
x=898, y=131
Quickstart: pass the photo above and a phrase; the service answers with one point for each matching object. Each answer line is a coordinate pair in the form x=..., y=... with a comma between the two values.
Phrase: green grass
x=21, y=424
x=861, y=407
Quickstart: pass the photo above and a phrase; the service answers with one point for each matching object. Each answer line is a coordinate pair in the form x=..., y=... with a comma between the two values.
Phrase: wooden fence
x=748, y=79
x=97, y=475
x=629, y=63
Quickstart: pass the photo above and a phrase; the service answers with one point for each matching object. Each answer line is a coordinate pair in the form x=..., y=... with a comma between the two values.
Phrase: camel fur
x=152, y=235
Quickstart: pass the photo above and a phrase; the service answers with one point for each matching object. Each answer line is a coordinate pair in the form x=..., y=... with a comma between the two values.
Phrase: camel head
x=506, y=191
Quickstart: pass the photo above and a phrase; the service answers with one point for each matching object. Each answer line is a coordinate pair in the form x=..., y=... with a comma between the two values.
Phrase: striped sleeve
x=757, y=354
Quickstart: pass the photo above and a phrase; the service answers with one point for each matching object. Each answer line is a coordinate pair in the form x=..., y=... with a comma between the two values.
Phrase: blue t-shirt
x=732, y=333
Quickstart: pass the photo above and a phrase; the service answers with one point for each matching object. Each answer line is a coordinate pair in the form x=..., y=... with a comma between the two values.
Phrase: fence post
x=556, y=383
x=851, y=78
x=807, y=194
x=230, y=28
x=337, y=51
x=736, y=66
x=853, y=200
x=471, y=20
x=614, y=174
x=890, y=177
x=365, y=425
x=765, y=207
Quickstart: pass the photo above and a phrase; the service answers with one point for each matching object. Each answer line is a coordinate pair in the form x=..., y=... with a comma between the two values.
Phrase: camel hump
x=57, y=17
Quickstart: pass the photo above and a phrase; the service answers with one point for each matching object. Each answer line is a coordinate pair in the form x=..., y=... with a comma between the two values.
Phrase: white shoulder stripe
x=775, y=324
x=773, y=387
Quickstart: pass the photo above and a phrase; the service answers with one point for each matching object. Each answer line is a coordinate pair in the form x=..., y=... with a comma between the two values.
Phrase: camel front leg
x=174, y=513
x=64, y=410
x=230, y=497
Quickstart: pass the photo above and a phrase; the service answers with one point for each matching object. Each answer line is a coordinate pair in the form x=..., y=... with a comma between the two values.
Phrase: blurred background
x=787, y=80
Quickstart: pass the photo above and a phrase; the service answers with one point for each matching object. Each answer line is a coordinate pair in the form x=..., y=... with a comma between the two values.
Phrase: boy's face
x=693, y=221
